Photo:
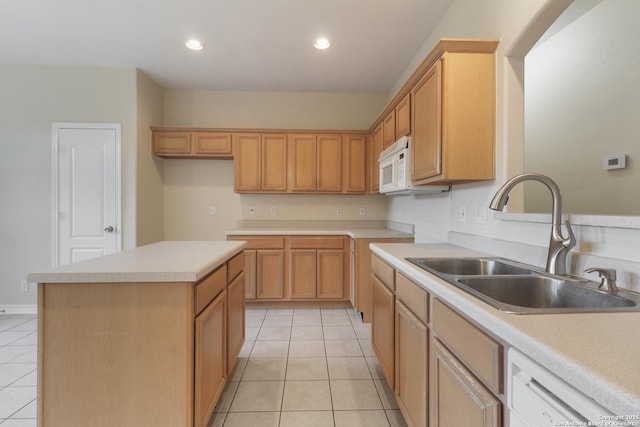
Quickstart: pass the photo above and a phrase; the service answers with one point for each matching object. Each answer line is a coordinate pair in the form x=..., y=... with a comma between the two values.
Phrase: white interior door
x=86, y=191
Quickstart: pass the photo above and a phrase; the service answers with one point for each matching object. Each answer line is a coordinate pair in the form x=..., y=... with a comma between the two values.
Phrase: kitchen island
x=143, y=337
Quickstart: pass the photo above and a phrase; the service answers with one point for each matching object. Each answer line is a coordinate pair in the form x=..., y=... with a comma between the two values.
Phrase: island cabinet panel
x=236, y=320
x=210, y=358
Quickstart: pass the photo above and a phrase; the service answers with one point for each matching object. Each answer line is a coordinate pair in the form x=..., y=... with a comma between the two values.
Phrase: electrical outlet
x=273, y=210
x=212, y=210
x=252, y=210
x=363, y=211
x=462, y=215
x=339, y=211
x=481, y=214
x=24, y=286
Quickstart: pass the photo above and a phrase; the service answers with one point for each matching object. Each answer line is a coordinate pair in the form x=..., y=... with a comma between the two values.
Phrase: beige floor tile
x=274, y=333
x=307, y=320
x=258, y=396
x=367, y=350
x=363, y=331
x=239, y=369
x=278, y=321
x=272, y=369
x=336, y=320
x=252, y=419
x=245, y=351
x=307, y=368
x=333, y=310
x=217, y=419
x=395, y=418
x=339, y=333
x=343, y=348
x=306, y=311
x=270, y=349
x=307, y=349
x=374, y=368
x=354, y=395
x=251, y=334
x=361, y=419
x=280, y=312
x=306, y=333
x=307, y=419
x=386, y=395
x=224, y=403
x=348, y=368
x=306, y=396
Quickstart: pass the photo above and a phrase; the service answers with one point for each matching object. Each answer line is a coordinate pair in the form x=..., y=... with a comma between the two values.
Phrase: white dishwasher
x=538, y=398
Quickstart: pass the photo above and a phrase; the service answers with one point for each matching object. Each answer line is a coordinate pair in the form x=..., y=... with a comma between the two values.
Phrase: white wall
x=513, y=23
x=33, y=97
x=193, y=186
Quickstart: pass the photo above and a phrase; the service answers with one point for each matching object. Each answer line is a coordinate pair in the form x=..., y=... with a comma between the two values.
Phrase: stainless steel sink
x=517, y=288
x=544, y=294
x=468, y=266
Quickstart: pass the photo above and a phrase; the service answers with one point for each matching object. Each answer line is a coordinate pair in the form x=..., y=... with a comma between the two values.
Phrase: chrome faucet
x=559, y=246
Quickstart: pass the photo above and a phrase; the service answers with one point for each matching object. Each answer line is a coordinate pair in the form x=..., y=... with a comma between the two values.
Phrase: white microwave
x=395, y=170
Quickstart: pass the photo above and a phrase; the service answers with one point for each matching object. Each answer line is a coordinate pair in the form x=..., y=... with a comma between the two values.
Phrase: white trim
x=56, y=126
x=19, y=309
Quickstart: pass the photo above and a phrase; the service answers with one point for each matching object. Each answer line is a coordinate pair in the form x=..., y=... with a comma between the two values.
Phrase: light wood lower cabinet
x=411, y=370
x=383, y=330
x=210, y=358
x=457, y=397
x=270, y=274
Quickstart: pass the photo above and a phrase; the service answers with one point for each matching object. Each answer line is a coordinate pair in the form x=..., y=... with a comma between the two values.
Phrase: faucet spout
x=559, y=245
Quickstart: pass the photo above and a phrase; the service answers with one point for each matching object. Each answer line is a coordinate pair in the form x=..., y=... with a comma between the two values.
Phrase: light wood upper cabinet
x=185, y=144
x=377, y=146
x=260, y=163
x=403, y=117
x=389, y=129
x=453, y=120
x=355, y=163
x=329, y=163
x=316, y=163
x=302, y=163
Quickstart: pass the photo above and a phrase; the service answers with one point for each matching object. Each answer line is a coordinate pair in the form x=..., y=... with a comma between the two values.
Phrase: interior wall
x=33, y=97
x=590, y=72
x=192, y=187
x=150, y=169
x=510, y=22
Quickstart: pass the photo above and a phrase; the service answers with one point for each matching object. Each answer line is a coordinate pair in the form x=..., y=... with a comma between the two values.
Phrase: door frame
x=55, y=127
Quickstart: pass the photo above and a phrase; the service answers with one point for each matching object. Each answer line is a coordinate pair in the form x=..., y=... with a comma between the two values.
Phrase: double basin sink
x=516, y=288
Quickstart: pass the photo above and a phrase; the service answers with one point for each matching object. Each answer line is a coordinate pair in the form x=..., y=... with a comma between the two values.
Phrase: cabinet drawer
x=209, y=287
x=477, y=350
x=261, y=242
x=316, y=242
x=383, y=271
x=413, y=296
x=235, y=266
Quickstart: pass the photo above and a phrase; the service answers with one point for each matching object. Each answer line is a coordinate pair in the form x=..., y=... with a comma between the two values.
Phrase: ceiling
x=249, y=45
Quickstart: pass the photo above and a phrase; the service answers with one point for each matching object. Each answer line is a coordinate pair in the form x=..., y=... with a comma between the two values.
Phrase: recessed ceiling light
x=322, y=43
x=193, y=44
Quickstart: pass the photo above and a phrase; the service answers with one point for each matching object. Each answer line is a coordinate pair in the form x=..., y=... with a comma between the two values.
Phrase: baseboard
x=19, y=309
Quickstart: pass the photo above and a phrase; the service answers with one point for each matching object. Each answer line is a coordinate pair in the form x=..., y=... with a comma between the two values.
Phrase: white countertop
x=353, y=229
x=597, y=353
x=159, y=262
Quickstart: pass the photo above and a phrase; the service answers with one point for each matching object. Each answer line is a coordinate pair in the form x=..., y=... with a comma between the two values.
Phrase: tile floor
x=298, y=367
x=18, y=363
x=307, y=367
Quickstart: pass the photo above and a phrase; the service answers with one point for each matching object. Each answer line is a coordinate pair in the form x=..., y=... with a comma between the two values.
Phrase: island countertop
x=168, y=261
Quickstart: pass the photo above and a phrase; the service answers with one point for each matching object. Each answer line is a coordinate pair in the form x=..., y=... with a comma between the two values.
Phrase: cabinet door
x=330, y=273
x=427, y=126
x=383, y=330
x=377, y=145
x=329, y=163
x=170, y=143
x=235, y=320
x=302, y=273
x=411, y=368
x=270, y=274
x=250, y=274
x=210, y=358
x=211, y=143
x=355, y=160
x=403, y=117
x=274, y=163
x=457, y=398
x=247, y=154
x=302, y=161
x=389, y=124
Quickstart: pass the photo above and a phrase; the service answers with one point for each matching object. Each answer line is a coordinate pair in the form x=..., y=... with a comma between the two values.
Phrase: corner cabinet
x=453, y=120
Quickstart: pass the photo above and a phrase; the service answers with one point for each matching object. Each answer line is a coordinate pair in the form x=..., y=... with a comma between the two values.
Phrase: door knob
x=110, y=229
